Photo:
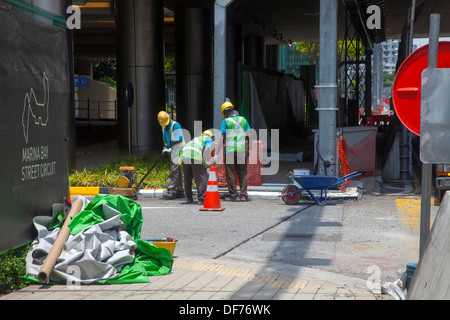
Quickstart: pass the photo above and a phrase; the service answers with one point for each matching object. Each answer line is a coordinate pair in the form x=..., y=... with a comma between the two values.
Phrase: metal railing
x=96, y=110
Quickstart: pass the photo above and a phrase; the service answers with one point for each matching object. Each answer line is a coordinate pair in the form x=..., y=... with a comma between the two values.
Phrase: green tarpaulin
x=149, y=260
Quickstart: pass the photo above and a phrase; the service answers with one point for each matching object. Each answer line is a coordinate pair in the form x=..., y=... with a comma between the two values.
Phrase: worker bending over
x=234, y=130
x=196, y=157
x=173, y=140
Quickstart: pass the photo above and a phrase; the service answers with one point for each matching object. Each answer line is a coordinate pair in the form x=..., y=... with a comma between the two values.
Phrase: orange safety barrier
x=345, y=166
x=360, y=157
x=253, y=167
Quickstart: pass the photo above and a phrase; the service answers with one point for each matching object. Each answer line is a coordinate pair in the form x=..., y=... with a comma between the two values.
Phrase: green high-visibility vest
x=194, y=149
x=236, y=136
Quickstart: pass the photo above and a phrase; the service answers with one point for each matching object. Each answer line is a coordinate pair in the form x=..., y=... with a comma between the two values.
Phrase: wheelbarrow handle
x=350, y=176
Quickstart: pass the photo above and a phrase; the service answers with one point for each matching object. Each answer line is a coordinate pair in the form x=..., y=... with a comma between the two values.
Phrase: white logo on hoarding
x=35, y=110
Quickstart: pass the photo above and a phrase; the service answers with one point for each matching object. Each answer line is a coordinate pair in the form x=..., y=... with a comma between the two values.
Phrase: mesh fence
x=254, y=165
x=361, y=156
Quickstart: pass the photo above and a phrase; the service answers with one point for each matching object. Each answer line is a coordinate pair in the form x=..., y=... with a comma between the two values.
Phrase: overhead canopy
x=295, y=20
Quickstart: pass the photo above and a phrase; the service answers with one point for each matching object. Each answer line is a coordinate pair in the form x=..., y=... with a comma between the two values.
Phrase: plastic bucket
x=166, y=245
x=410, y=269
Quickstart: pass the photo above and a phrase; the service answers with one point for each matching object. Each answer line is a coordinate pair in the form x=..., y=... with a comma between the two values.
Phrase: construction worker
x=195, y=157
x=234, y=128
x=173, y=140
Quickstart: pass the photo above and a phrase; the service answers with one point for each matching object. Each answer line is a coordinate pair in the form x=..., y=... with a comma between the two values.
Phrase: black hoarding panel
x=34, y=96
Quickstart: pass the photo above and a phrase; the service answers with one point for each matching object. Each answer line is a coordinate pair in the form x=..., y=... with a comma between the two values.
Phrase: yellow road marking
x=410, y=212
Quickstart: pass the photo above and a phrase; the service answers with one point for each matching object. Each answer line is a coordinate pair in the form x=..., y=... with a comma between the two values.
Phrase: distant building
x=390, y=56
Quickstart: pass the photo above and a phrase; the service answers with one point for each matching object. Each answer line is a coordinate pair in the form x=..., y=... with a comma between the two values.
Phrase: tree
x=169, y=65
x=311, y=49
x=388, y=79
x=106, y=72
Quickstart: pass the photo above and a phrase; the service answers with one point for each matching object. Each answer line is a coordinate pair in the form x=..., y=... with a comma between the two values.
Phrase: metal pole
x=327, y=87
x=406, y=146
x=411, y=26
x=433, y=48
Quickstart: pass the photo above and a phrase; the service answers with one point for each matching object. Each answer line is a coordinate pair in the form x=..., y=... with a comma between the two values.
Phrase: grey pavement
x=196, y=278
x=200, y=276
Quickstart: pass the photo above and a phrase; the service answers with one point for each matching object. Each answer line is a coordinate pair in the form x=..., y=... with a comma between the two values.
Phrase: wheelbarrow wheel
x=291, y=195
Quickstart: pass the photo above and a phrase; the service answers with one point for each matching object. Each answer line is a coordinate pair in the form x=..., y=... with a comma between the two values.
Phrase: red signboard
x=408, y=82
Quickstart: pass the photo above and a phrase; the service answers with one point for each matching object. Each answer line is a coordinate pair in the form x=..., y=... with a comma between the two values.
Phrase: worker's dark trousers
x=236, y=164
x=175, y=178
x=199, y=172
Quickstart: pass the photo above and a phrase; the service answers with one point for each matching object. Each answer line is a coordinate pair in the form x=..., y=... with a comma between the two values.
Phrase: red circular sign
x=408, y=82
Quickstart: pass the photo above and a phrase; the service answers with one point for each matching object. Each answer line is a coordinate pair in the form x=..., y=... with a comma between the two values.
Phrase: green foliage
x=311, y=49
x=107, y=174
x=106, y=72
x=12, y=269
x=388, y=79
x=169, y=65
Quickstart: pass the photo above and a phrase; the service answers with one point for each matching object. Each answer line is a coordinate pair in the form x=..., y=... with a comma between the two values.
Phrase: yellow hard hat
x=227, y=105
x=209, y=133
x=163, y=118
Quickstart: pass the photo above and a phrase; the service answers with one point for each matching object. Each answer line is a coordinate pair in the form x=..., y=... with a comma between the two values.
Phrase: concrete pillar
x=140, y=57
x=273, y=57
x=57, y=7
x=254, y=51
x=377, y=85
x=368, y=82
x=85, y=68
x=234, y=57
x=194, y=66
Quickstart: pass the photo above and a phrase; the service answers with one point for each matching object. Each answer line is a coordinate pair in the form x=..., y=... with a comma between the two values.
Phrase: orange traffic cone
x=212, y=199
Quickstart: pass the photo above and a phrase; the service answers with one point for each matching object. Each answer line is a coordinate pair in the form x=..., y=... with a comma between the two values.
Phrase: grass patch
x=12, y=269
x=106, y=175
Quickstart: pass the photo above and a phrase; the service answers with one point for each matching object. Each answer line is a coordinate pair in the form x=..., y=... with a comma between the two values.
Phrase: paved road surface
x=345, y=237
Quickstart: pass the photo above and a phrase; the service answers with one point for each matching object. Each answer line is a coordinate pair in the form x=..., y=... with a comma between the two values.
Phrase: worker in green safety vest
x=195, y=157
x=173, y=140
x=234, y=130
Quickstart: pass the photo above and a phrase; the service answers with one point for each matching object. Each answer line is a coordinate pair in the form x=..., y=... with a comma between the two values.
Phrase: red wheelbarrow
x=291, y=194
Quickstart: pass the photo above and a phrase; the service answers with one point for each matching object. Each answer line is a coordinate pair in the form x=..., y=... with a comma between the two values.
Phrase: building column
x=194, y=66
x=254, y=51
x=140, y=60
x=234, y=58
x=273, y=57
